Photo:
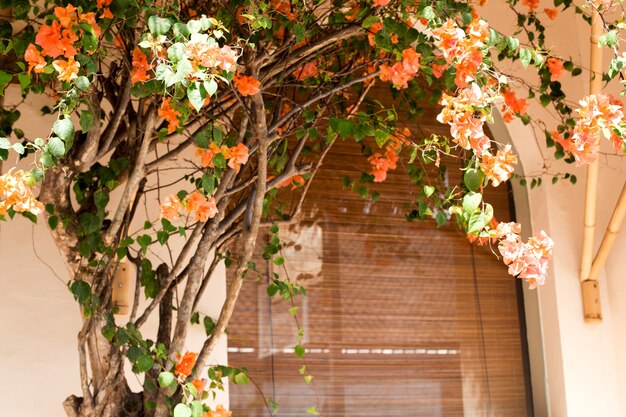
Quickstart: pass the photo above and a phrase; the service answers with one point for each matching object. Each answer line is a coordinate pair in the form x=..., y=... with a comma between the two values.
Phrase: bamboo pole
x=590, y=290
x=609, y=236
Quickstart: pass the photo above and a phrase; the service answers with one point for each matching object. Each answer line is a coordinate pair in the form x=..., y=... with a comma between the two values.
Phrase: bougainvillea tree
x=206, y=109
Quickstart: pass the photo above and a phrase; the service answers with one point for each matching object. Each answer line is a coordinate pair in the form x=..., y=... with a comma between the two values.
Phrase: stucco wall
x=39, y=320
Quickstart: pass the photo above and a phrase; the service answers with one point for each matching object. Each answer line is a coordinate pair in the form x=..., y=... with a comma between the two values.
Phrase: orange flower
x=556, y=68
x=381, y=3
x=411, y=60
x=247, y=85
x=295, y=182
x=207, y=155
x=66, y=15
x=220, y=411
x=185, y=365
x=284, y=7
x=372, y=32
x=551, y=13
x=307, y=70
x=140, y=69
x=514, y=104
x=170, y=208
x=90, y=18
x=106, y=13
x=16, y=193
x=199, y=385
x=167, y=112
x=203, y=208
x=68, y=70
x=238, y=156
x=397, y=74
x=531, y=4
x=49, y=38
x=498, y=168
x=351, y=12
x=34, y=59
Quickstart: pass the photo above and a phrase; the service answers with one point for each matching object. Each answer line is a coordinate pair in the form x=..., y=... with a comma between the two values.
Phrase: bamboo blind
x=401, y=319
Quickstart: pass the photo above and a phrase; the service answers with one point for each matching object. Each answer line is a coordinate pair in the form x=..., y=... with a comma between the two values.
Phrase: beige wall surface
x=583, y=366
x=39, y=320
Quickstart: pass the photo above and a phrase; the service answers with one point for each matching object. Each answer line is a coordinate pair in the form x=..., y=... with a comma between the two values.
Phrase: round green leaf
x=158, y=25
x=64, y=128
x=473, y=179
x=82, y=83
x=56, y=147
x=166, y=379
x=182, y=410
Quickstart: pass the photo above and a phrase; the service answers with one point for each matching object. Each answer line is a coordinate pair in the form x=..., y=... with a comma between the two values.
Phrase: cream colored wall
x=581, y=366
x=39, y=319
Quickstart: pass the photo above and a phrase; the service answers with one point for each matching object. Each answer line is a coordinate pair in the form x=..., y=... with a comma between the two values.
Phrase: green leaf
x=81, y=290
x=143, y=364
x=166, y=379
x=429, y=190
x=64, y=128
x=471, y=201
x=182, y=410
x=473, y=179
x=273, y=405
x=5, y=79
x=525, y=56
x=101, y=199
x=162, y=237
x=53, y=221
x=158, y=25
x=300, y=32
x=90, y=223
x=192, y=389
x=24, y=80
x=209, y=325
x=241, y=378
x=82, y=83
x=144, y=241
x=312, y=410
x=299, y=351
x=86, y=120
x=476, y=223
x=18, y=147
x=56, y=147
x=441, y=219
x=195, y=96
x=428, y=13
x=370, y=21
x=4, y=143
x=210, y=86
x=196, y=409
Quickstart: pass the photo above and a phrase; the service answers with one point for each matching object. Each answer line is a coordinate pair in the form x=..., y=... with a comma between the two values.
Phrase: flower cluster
x=525, y=260
x=383, y=162
x=59, y=38
x=235, y=155
x=15, y=193
x=203, y=208
x=512, y=105
x=499, y=167
x=464, y=114
x=171, y=115
x=600, y=114
x=556, y=68
x=185, y=365
x=403, y=71
x=462, y=49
